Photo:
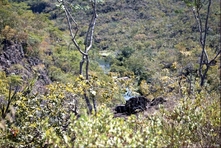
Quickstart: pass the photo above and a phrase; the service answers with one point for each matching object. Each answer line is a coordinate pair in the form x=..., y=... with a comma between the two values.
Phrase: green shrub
x=50, y=120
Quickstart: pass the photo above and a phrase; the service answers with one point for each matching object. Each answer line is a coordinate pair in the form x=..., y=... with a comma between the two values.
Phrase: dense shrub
x=53, y=120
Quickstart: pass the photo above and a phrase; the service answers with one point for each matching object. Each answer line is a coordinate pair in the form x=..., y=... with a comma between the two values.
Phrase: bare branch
x=90, y=32
x=219, y=52
x=204, y=58
x=203, y=35
x=69, y=14
x=205, y=32
x=199, y=22
x=68, y=17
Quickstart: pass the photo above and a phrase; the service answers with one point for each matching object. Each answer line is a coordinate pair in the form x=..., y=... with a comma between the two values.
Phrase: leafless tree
x=203, y=31
x=74, y=28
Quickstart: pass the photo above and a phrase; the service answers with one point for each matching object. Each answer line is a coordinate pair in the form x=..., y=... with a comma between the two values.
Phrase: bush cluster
x=54, y=120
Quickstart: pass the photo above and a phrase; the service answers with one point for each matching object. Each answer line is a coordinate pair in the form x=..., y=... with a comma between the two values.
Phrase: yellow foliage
x=144, y=88
x=165, y=78
x=174, y=65
x=186, y=53
x=8, y=32
x=183, y=50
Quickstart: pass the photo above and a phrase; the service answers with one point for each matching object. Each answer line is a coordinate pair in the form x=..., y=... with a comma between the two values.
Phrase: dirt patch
x=168, y=105
x=157, y=101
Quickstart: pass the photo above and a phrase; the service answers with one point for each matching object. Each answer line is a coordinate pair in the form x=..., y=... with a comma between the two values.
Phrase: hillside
x=127, y=31
x=146, y=55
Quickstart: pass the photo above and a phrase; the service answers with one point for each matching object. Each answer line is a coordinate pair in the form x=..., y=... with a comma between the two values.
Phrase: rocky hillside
x=14, y=61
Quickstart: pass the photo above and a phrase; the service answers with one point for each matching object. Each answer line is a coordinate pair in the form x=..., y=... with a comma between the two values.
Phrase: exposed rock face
x=13, y=60
x=137, y=104
x=12, y=54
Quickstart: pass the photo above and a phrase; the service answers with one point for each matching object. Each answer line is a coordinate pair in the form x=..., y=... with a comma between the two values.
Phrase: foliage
x=196, y=117
x=51, y=120
x=154, y=51
x=22, y=26
x=9, y=88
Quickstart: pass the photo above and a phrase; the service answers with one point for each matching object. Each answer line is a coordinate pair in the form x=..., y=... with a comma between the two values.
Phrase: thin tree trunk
x=87, y=67
x=81, y=65
x=95, y=105
x=88, y=103
x=203, y=77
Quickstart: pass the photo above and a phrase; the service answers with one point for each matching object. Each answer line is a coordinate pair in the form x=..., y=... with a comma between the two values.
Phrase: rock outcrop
x=137, y=104
x=13, y=60
x=12, y=54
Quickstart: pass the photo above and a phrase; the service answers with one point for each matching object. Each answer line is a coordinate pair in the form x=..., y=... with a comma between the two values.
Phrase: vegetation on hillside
x=151, y=48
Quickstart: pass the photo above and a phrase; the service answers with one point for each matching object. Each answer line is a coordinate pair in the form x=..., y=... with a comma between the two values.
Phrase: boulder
x=133, y=105
x=120, y=109
x=137, y=104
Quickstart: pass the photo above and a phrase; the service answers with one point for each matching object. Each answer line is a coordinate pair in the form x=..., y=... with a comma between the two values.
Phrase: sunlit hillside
x=110, y=73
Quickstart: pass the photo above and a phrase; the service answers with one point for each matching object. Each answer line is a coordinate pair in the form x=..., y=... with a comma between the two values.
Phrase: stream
x=106, y=68
x=128, y=94
x=104, y=65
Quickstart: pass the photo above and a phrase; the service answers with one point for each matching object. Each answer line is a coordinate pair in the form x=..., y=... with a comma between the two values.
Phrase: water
x=129, y=94
x=106, y=68
x=104, y=65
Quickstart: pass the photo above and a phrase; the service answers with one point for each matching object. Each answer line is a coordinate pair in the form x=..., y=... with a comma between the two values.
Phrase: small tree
x=9, y=89
x=74, y=28
x=196, y=6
